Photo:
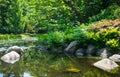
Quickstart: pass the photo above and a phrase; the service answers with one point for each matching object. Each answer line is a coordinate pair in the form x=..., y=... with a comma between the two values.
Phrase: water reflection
x=47, y=65
x=1, y=75
x=26, y=74
x=35, y=63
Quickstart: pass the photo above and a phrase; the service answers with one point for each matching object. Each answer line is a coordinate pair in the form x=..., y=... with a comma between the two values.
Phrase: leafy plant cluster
x=58, y=38
x=105, y=34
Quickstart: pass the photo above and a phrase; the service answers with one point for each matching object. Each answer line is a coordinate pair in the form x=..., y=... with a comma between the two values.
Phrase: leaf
x=73, y=70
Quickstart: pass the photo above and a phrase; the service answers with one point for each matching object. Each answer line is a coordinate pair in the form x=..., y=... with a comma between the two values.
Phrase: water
x=35, y=63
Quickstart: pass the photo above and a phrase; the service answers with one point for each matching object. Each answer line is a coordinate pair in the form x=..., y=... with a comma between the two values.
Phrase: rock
x=11, y=57
x=72, y=47
x=115, y=57
x=103, y=54
x=90, y=50
x=100, y=51
x=106, y=64
x=17, y=49
x=79, y=52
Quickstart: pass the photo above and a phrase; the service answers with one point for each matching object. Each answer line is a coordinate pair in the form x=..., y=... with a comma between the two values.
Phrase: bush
x=76, y=33
x=58, y=38
x=105, y=33
x=113, y=44
x=55, y=38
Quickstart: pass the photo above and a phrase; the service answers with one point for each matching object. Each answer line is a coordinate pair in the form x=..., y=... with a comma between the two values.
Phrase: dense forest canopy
x=39, y=16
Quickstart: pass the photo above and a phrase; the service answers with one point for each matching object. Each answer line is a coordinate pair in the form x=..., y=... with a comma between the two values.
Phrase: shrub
x=55, y=38
x=104, y=25
x=113, y=44
x=77, y=33
x=105, y=33
x=58, y=38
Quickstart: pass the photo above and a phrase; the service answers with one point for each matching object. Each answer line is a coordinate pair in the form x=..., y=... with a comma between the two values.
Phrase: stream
x=35, y=63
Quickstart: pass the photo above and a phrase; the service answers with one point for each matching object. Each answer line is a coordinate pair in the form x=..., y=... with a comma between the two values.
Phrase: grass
x=8, y=36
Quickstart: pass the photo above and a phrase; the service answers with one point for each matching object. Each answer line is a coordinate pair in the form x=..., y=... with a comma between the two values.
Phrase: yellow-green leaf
x=73, y=70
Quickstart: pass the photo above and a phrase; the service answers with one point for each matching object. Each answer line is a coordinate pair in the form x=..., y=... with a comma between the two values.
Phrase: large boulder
x=72, y=47
x=115, y=57
x=106, y=64
x=11, y=57
x=90, y=50
x=17, y=49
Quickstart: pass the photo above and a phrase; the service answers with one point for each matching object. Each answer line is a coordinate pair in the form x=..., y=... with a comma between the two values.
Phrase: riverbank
x=36, y=62
x=104, y=34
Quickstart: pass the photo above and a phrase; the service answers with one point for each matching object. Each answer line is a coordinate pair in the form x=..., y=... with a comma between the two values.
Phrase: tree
x=10, y=16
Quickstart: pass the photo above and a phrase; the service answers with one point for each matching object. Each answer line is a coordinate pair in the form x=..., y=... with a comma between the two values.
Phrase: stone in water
x=115, y=57
x=10, y=57
x=17, y=49
x=106, y=64
x=104, y=54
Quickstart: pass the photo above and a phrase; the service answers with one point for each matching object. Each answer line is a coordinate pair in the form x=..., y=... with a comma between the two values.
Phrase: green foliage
x=78, y=34
x=105, y=38
x=58, y=38
x=55, y=38
x=112, y=12
x=49, y=15
x=117, y=13
x=115, y=71
x=113, y=43
x=63, y=18
x=36, y=16
x=10, y=16
x=42, y=37
x=7, y=36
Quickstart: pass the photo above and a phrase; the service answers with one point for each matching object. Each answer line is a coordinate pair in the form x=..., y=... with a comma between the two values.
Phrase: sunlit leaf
x=73, y=70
